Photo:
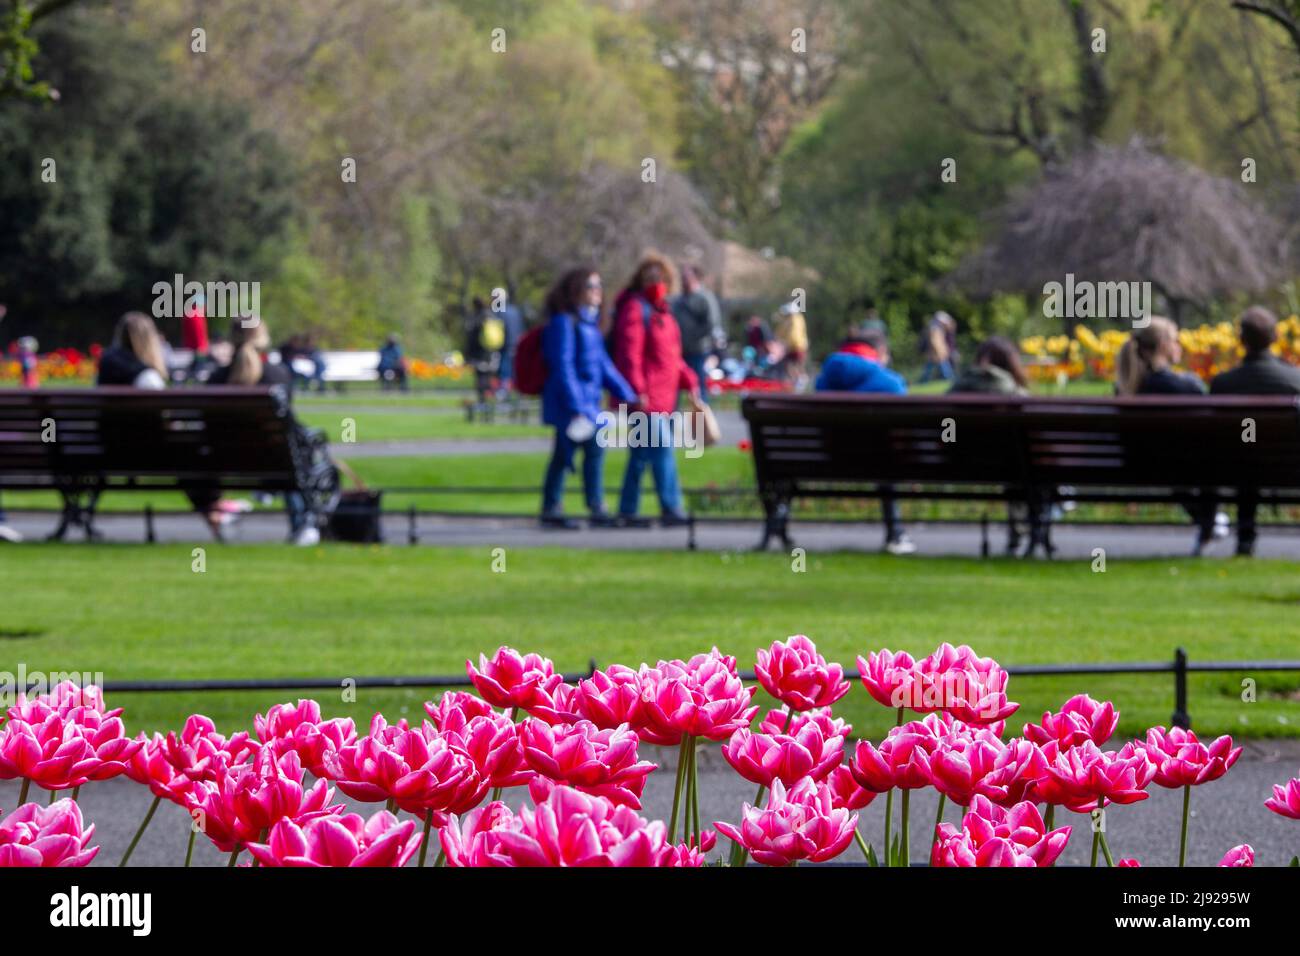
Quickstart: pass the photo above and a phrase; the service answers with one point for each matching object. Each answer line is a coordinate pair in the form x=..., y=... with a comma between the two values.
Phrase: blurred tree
x=748, y=72
x=127, y=181
x=18, y=47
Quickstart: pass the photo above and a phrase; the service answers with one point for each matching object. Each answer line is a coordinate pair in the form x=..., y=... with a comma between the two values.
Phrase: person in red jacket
x=648, y=352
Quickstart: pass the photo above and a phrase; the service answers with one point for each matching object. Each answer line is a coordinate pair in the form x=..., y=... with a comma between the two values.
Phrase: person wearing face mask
x=578, y=370
x=648, y=351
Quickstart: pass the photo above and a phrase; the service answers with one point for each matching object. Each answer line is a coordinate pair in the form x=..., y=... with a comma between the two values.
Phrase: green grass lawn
x=138, y=612
x=370, y=426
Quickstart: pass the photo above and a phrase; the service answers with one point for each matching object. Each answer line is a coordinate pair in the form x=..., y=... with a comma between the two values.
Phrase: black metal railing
x=1180, y=666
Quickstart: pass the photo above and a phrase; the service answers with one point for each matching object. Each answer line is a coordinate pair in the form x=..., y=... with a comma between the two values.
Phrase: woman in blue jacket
x=578, y=370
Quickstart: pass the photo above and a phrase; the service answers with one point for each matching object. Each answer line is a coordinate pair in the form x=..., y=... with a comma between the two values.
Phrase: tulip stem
x=862, y=845
x=1095, y=834
x=76, y=792
x=442, y=858
x=938, y=819
x=261, y=838
x=233, y=854
x=677, y=790
x=53, y=795
x=189, y=850
x=906, y=851
x=424, y=844
x=1105, y=849
x=1049, y=817
x=889, y=819
x=392, y=805
x=1182, y=839
x=140, y=831
x=695, y=786
x=22, y=794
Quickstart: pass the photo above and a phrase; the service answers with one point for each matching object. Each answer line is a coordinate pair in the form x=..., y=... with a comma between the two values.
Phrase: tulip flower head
x=1242, y=855
x=992, y=836
x=511, y=679
x=1080, y=719
x=36, y=836
x=595, y=761
x=1286, y=799
x=764, y=757
x=796, y=675
x=702, y=697
x=200, y=753
x=610, y=698
x=1183, y=761
x=801, y=823
x=565, y=828
x=339, y=840
x=299, y=729
x=1086, y=777
x=487, y=737
x=415, y=767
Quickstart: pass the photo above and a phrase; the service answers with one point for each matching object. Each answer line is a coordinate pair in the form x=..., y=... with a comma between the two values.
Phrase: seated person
x=1260, y=373
x=392, y=364
x=860, y=365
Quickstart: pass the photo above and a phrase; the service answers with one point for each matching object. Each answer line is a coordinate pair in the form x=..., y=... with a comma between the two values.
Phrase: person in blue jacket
x=578, y=370
x=861, y=364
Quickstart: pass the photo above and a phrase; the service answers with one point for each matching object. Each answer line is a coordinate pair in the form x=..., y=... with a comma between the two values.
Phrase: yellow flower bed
x=1207, y=350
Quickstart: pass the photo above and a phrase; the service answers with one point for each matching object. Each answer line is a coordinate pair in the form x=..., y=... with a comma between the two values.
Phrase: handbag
x=358, y=517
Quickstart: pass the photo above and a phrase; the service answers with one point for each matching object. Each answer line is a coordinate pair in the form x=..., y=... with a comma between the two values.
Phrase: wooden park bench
x=85, y=441
x=1032, y=450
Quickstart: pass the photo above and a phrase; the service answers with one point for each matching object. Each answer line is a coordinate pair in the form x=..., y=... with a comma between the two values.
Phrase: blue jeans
x=593, y=473
x=942, y=369
x=295, y=507
x=663, y=465
x=696, y=362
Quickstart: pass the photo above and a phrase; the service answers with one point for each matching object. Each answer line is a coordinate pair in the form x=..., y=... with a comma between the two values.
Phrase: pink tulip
x=965, y=685
x=299, y=729
x=1086, y=777
x=845, y=792
x=201, y=753
x=688, y=855
x=33, y=835
x=611, y=697
x=1243, y=855
x=473, y=839
x=993, y=836
x=888, y=677
x=795, y=674
x=1183, y=761
x=1286, y=799
x=963, y=765
x=558, y=707
x=149, y=765
x=954, y=680
x=62, y=698
x=762, y=758
x=339, y=840
x=416, y=768
x=1016, y=773
x=511, y=679
x=599, y=762
x=487, y=737
x=702, y=697
x=1081, y=718
x=792, y=722
x=566, y=828
x=1127, y=863
x=903, y=757
x=249, y=799
x=59, y=743
x=801, y=823
x=51, y=753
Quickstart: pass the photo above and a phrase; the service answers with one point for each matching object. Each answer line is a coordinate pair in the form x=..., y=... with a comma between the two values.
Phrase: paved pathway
x=1224, y=814
x=1073, y=543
